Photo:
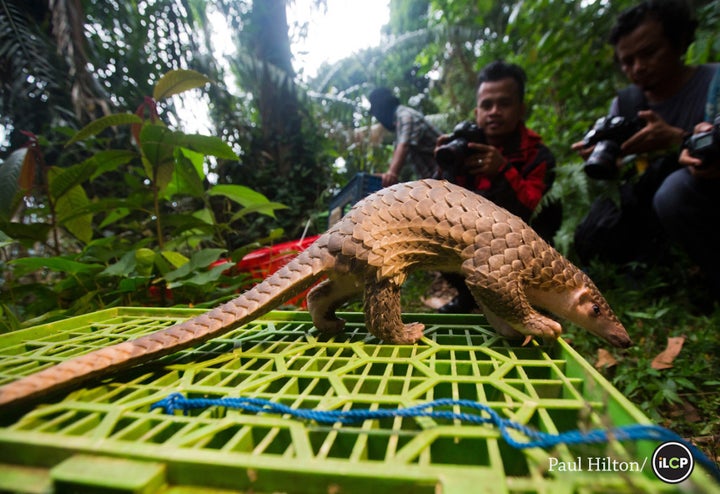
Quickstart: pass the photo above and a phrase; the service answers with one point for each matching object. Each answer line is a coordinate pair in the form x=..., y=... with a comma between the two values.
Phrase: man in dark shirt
x=650, y=42
x=687, y=201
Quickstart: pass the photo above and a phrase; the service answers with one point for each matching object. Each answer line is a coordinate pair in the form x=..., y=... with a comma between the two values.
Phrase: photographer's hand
x=441, y=141
x=657, y=135
x=484, y=159
x=696, y=166
x=579, y=148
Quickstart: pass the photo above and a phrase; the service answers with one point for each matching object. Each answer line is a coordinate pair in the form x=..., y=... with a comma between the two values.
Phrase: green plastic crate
x=104, y=438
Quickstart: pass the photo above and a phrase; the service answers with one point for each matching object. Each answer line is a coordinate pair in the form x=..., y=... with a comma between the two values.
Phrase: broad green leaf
x=69, y=214
x=9, y=187
x=207, y=145
x=124, y=267
x=266, y=209
x=97, y=126
x=198, y=260
x=164, y=174
x=35, y=232
x=178, y=81
x=160, y=175
x=205, y=257
x=205, y=215
x=158, y=154
x=197, y=160
x=244, y=196
x=157, y=145
x=64, y=179
x=186, y=180
x=30, y=264
x=175, y=258
x=114, y=215
x=111, y=160
x=202, y=278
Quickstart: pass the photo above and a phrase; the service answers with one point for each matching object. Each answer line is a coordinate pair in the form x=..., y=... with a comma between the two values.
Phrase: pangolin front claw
x=527, y=340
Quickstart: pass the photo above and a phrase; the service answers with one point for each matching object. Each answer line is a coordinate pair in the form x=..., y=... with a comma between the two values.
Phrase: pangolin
x=428, y=224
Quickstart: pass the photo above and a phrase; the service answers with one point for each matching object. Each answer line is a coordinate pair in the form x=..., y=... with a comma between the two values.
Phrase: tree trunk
x=277, y=98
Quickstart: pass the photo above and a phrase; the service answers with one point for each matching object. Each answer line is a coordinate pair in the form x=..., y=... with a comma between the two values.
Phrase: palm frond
x=24, y=52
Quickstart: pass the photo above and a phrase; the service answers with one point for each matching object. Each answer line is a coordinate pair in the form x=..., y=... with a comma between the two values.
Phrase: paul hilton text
x=595, y=464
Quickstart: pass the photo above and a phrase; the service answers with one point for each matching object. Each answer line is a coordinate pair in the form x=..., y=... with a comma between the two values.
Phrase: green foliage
x=97, y=248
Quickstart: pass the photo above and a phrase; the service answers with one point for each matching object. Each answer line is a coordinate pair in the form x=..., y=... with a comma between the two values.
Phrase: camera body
x=451, y=155
x=706, y=145
x=607, y=135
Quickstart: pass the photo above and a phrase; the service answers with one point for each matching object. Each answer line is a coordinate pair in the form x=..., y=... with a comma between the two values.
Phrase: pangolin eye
x=596, y=309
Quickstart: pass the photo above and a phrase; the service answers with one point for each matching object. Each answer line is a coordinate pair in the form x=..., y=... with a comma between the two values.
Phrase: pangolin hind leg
x=325, y=298
x=383, y=313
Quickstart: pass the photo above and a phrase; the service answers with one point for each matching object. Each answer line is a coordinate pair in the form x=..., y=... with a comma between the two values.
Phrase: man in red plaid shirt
x=511, y=167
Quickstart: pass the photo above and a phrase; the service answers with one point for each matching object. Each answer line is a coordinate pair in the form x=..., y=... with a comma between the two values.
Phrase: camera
x=706, y=145
x=451, y=155
x=607, y=135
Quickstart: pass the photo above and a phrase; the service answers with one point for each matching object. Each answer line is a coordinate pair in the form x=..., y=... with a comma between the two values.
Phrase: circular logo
x=672, y=462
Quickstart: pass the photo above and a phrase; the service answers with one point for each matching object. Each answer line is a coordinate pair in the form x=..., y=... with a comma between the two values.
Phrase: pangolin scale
x=428, y=224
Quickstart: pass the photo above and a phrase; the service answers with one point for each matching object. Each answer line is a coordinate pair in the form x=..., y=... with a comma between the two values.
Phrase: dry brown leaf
x=685, y=410
x=664, y=360
x=691, y=413
x=605, y=359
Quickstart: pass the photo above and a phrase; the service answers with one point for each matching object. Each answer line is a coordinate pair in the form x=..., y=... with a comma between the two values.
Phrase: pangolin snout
x=620, y=339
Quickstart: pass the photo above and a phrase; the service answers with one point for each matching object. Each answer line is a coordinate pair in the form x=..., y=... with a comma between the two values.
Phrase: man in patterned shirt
x=415, y=137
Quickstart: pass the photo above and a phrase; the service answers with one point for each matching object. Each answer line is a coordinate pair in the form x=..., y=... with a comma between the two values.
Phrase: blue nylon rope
x=536, y=439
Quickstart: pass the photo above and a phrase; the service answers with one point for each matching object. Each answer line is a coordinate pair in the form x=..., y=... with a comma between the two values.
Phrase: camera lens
x=601, y=164
x=452, y=154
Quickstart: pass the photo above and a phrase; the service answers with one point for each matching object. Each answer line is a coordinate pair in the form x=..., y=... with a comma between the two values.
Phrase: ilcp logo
x=672, y=462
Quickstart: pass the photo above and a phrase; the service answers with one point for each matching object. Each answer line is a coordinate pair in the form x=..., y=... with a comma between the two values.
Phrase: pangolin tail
x=290, y=280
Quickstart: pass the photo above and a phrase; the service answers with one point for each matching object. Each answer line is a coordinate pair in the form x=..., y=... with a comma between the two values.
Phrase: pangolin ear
x=584, y=296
